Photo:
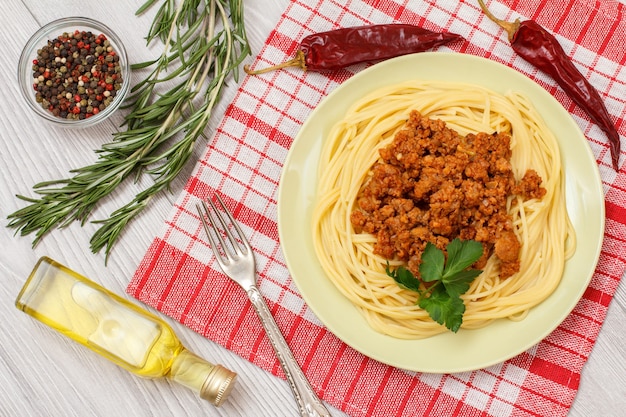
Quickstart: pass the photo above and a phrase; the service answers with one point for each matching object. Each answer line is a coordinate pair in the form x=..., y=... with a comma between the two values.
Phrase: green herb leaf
x=458, y=284
x=433, y=259
x=461, y=255
x=404, y=278
x=445, y=309
x=450, y=279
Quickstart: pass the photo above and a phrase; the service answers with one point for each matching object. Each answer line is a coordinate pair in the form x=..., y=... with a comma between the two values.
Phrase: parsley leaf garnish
x=448, y=279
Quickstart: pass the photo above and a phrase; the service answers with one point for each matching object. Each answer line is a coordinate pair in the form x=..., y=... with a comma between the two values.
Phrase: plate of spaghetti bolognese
x=339, y=266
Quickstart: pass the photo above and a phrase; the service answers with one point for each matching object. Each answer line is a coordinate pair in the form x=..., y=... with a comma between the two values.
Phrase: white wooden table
x=45, y=374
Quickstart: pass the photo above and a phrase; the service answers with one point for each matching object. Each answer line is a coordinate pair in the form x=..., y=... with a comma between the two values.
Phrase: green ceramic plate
x=468, y=349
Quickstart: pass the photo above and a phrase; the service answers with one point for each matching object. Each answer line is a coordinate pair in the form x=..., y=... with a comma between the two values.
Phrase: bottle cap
x=218, y=385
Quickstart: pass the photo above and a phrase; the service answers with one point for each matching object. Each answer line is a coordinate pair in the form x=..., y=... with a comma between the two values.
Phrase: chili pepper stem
x=510, y=27
x=298, y=61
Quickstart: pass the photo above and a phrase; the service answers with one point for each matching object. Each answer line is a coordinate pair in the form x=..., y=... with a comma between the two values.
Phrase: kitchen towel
x=244, y=159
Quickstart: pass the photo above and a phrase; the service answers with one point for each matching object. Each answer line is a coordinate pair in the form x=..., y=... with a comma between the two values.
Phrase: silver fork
x=235, y=257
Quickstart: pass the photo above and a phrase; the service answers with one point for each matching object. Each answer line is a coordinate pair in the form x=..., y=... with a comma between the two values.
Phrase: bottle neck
x=212, y=382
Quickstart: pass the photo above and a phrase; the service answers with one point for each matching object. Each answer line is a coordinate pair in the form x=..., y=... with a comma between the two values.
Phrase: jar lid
x=218, y=385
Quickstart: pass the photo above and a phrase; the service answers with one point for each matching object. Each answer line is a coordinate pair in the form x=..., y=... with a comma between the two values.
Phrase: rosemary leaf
x=204, y=42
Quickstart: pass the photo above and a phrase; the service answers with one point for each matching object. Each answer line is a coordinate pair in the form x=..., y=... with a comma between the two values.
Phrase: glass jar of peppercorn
x=74, y=72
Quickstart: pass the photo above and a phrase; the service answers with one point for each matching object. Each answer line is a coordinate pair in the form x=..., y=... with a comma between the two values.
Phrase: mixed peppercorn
x=76, y=75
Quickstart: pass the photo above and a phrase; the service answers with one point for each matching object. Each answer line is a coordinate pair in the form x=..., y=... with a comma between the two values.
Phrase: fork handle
x=308, y=402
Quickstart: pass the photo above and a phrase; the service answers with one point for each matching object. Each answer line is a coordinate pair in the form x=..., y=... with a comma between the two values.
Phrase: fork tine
x=235, y=223
x=209, y=216
x=203, y=218
x=233, y=248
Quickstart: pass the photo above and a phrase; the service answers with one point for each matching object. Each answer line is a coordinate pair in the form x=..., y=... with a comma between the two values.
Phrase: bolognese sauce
x=432, y=184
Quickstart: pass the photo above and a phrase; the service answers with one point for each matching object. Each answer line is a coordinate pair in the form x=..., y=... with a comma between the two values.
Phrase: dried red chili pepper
x=340, y=48
x=540, y=48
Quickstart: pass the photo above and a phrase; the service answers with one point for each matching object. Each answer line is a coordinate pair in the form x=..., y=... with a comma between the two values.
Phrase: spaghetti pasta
x=542, y=226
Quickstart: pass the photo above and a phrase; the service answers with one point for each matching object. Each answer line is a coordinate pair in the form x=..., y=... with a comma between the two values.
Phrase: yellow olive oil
x=122, y=332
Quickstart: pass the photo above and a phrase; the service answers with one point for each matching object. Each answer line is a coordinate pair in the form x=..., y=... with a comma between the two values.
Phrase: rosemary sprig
x=204, y=42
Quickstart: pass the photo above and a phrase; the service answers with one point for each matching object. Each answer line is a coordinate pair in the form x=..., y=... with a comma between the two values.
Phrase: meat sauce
x=433, y=185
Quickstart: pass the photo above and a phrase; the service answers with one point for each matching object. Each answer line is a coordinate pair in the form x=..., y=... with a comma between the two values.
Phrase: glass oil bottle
x=122, y=332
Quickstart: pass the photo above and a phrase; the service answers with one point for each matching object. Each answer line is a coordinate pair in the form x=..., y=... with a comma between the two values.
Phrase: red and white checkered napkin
x=243, y=162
